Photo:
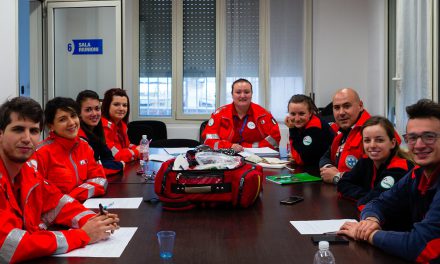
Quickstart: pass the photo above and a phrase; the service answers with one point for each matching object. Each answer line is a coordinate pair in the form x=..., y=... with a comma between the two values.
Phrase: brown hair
x=108, y=98
x=391, y=133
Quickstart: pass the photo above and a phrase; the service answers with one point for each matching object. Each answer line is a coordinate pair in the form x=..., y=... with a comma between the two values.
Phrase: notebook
x=293, y=178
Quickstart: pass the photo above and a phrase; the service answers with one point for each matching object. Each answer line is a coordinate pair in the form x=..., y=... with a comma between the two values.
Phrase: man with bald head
x=346, y=149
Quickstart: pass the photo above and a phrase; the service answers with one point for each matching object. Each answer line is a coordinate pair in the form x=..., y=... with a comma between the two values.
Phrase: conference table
x=259, y=234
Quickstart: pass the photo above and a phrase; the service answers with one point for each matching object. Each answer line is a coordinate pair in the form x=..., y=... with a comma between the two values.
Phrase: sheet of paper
x=160, y=157
x=110, y=248
x=114, y=203
x=266, y=151
x=271, y=166
x=315, y=227
x=177, y=151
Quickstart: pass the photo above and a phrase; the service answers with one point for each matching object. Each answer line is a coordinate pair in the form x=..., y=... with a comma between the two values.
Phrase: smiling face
x=299, y=114
x=427, y=155
x=65, y=124
x=377, y=144
x=118, y=108
x=90, y=112
x=19, y=139
x=242, y=95
x=346, y=108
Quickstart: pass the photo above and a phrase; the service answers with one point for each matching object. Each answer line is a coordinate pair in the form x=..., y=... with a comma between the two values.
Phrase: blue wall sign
x=85, y=46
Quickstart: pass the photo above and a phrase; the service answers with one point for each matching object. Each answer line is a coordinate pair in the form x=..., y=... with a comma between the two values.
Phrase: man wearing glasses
x=414, y=200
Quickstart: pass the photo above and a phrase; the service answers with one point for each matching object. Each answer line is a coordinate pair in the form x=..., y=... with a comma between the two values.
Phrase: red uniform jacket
x=353, y=149
x=71, y=166
x=24, y=218
x=121, y=147
x=260, y=129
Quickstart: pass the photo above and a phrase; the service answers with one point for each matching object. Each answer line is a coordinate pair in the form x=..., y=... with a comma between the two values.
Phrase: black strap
x=165, y=174
x=241, y=185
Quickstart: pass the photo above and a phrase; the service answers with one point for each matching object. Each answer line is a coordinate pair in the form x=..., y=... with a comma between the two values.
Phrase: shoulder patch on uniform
x=211, y=122
x=387, y=182
x=350, y=161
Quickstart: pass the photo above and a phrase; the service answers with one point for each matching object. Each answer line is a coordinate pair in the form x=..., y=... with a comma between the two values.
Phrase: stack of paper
x=262, y=152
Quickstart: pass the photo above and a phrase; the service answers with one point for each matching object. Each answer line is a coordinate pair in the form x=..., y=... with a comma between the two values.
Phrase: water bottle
x=324, y=255
x=144, y=151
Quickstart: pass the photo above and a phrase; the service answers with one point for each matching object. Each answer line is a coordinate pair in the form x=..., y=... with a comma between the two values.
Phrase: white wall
x=349, y=50
x=8, y=49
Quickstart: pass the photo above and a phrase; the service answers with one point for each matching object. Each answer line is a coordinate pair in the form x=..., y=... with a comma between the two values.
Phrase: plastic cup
x=166, y=243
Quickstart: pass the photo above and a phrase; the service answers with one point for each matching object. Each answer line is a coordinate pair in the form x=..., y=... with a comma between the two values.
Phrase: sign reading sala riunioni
x=85, y=47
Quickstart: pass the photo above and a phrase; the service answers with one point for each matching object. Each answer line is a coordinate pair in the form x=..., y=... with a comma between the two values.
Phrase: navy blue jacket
x=419, y=211
x=308, y=144
x=364, y=182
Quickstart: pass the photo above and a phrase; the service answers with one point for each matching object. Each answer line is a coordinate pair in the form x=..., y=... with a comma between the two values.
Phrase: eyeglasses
x=427, y=137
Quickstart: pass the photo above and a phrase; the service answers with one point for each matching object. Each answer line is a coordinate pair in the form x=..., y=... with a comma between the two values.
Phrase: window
x=199, y=62
x=192, y=50
x=155, y=58
x=411, y=58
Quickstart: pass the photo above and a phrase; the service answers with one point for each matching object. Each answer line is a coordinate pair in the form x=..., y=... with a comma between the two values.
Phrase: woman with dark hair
x=115, y=112
x=384, y=165
x=92, y=131
x=64, y=158
x=309, y=136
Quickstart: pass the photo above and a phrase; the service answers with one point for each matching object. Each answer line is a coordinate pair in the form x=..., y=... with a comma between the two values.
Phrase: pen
x=101, y=209
x=284, y=177
x=108, y=205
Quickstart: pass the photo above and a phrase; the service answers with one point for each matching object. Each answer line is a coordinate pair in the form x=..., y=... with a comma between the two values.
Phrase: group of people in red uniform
x=88, y=140
x=44, y=183
x=361, y=155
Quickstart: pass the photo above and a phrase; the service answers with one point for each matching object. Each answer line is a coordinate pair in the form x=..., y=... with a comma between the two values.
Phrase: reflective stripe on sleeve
x=272, y=141
x=212, y=136
x=255, y=145
x=52, y=214
x=90, y=189
x=62, y=245
x=133, y=155
x=10, y=244
x=216, y=145
x=78, y=217
x=115, y=151
x=100, y=181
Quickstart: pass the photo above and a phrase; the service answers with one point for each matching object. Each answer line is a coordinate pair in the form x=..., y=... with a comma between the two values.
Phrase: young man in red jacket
x=28, y=203
x=346, y=149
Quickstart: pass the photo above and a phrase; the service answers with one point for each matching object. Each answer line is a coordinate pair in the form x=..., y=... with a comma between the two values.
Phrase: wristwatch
x=336, y=178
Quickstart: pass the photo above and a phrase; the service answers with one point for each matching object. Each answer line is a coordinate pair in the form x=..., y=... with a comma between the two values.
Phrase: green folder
x=293, y=178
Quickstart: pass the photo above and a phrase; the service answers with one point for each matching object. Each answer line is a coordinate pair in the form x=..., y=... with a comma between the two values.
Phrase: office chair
x=202, y=127
x=155, y=130
x=174, y=143
x=326, y=113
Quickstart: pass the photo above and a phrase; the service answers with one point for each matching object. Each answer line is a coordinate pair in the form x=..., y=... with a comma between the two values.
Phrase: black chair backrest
x=326, y=113
x=155, y=130
x=202, y=127
x=174, y=143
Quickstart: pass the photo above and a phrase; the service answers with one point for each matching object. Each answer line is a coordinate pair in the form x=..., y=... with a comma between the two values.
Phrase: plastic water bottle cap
x=323, y=245
x=144, y=136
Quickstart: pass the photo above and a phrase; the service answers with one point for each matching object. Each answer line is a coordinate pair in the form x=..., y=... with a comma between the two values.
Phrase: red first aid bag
x=184, y=189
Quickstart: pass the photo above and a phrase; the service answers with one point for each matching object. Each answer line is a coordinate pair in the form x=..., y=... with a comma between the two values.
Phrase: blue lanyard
x=240, y=132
